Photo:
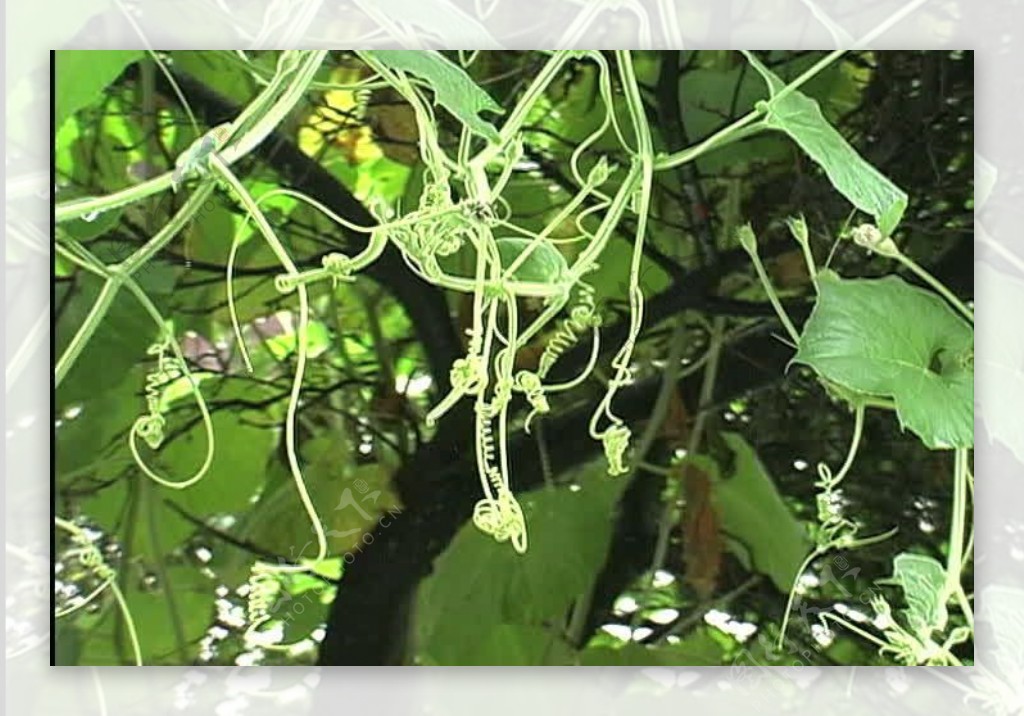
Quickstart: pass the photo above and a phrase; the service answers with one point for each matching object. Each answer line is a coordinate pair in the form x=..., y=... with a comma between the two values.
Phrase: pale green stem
x=921, y=273
x=65, y=211
x=955, y=559
x=773, y=297
x=117, y=276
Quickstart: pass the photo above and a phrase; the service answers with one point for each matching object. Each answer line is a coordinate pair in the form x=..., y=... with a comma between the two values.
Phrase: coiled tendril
x=582, y=317
x=150, y=427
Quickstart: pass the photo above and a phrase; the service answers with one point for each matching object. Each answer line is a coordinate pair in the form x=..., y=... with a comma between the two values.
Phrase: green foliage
x=453, y=88
x=923, y=581
x=800, y=117
x=309, y=434
x=886, y=338
x=475, y=588
x=82, y=75
x=120, y=341
x=169, y=617
x=764, y=531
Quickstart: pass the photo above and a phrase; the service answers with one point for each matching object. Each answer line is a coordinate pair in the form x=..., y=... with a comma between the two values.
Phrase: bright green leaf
x=800, y=117
x=328, y=568
x=453, y=88
x=318, y=340
x=80, y=76
x=884, y=337
x=923, y=581
x=762, y=527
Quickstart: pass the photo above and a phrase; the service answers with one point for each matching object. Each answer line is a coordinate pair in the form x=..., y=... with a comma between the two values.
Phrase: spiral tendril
x=582, y=317
x=150, y=427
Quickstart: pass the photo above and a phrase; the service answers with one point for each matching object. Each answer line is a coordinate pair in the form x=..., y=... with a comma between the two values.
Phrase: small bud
x=600, y=173
x=747, y=239
x=868, y=236
x=798, y=228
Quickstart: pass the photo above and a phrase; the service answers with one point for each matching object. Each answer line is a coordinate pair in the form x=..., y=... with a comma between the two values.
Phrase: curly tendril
x=89, y=556
x=616, y=441
x=150, y=427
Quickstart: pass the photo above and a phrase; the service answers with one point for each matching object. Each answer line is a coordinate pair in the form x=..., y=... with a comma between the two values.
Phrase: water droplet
x=90, y=216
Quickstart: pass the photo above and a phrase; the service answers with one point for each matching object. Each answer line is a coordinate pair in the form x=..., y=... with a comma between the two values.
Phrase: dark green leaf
x=884, y=337
x=119, y=343
x=752, y=512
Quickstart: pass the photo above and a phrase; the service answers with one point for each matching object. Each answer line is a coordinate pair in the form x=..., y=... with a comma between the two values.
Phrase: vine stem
x=85, y=543
x=851, y=453
x=279, y=105
x=117, y=276
x=748, y=241
x=301, y=338
x=922, y=274
x=670, y=161
x=955, y=559
x=519, y=115
x=707, y=388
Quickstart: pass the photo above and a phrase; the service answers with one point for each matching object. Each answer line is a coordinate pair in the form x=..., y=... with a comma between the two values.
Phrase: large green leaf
x=884, y=337
x=237, y=471
x=763, y=529
x=800, y=117
x=350, y=498
x=478, y=585
x=453, y=88
x=80, y=76
x=160, y=618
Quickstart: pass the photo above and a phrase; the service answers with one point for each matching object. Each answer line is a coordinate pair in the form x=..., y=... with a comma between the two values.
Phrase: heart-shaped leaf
x=886, y=338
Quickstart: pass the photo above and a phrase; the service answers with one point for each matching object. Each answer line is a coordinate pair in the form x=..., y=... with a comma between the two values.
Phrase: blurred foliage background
x=411, y=581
